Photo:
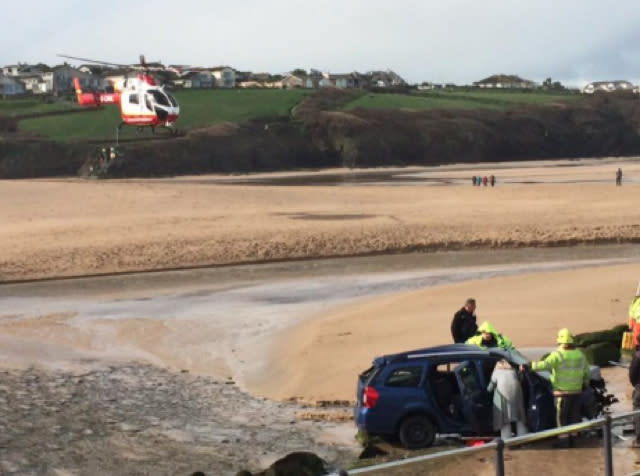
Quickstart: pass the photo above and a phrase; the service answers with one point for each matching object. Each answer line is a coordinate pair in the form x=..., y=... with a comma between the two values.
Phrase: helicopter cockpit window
x=147, y=101
x=133, y=98
x=160, y=98
x=174, y=103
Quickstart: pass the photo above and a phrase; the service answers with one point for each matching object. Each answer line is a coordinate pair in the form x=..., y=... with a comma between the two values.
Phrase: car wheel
x=417, y=431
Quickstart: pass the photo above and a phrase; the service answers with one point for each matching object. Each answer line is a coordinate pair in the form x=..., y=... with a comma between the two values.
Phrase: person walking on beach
x=473, y=180
x=484, y=180
x=463, y=325
x=634, y=378
x=492, y=180
x=508, y=401
x=619, y=176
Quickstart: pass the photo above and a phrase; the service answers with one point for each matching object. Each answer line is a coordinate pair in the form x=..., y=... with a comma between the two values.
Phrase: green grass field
x=201, y=108
x=197, y=109
x=19, y=107
x=456, y=100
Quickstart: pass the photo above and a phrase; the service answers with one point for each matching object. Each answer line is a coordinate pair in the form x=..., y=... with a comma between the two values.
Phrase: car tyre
x=417, y=431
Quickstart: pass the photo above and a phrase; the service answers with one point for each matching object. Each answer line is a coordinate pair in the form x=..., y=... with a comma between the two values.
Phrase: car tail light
x=370, y=397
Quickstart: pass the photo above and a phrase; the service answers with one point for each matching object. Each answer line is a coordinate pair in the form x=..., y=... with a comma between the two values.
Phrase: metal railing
x=498, y=444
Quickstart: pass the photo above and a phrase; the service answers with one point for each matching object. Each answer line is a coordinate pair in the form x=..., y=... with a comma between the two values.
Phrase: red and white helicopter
x=143, y=103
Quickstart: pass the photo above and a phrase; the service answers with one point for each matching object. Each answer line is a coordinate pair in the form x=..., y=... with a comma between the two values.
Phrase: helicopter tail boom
x=94, y=99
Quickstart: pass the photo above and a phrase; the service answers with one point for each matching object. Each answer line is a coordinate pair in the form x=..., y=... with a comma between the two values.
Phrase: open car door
x=541, y=412
x=476, y=403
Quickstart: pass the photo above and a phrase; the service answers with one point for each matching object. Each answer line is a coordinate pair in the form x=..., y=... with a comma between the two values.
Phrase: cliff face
x=316, y=136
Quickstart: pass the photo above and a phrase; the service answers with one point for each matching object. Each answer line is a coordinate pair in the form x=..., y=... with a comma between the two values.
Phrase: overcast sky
x=455, y=41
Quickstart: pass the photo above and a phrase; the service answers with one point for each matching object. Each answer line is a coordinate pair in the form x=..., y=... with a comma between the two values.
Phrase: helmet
x=564, y=336
x=487, y=327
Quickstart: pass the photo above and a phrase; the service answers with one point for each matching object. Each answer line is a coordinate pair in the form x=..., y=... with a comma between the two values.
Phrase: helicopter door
x=148, y=102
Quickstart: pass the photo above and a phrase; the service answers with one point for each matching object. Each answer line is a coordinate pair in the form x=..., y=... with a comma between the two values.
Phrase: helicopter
x=143, y=103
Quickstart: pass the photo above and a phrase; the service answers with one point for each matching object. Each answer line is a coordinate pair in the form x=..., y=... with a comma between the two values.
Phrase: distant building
x=33, y=83
x=385, y=79
x=607, y=87
x=505, y=81
x=197, y=80
x=313, y=78
x=291, y=81
x=11, y=70
x=225, y=77
x=10, y=86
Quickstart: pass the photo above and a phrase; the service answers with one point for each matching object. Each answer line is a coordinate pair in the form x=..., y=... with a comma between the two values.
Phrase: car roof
x=446, y=351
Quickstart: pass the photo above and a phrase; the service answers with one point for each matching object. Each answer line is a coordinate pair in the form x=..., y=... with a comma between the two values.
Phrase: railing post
x=608, y=452
x=499, y=457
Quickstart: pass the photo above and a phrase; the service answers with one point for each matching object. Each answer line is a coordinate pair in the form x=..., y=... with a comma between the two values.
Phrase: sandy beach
x=305, y=335
x=57, y=228
x=78, y=227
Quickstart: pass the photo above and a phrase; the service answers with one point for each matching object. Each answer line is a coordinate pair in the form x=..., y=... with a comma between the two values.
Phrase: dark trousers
x=636, y=406
x=567, y=409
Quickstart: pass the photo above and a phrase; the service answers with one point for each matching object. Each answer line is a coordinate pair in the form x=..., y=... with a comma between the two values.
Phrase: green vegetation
x=457, y=100
x=198, y=108
x=414, y=102
x=20, y=107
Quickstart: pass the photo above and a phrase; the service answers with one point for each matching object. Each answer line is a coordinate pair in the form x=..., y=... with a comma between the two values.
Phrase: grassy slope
x=455, y=100
x=197, y=109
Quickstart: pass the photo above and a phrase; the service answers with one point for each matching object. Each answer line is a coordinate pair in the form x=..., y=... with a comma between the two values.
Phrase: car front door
x=476, y=404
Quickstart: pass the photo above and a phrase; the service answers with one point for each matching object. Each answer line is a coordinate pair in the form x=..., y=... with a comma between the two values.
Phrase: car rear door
x=400, y=391
x=476, y=403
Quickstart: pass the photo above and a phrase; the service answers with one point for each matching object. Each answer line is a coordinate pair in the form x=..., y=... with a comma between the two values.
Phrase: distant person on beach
x=492, y=180
x=619, y=176
x=473, y=180
x=464, y=324
x=484, y=180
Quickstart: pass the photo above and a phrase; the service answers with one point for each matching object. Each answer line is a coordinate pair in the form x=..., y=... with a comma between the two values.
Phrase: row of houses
x=24, y=79
x=21, y=79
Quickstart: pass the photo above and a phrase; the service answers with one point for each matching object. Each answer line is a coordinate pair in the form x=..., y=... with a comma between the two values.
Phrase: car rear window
x=369, y=374
x=404, y=377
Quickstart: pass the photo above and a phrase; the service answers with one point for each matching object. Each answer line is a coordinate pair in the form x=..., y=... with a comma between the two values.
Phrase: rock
x=299, y=463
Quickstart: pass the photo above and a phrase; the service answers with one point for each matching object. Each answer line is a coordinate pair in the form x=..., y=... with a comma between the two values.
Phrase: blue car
x=422, y=393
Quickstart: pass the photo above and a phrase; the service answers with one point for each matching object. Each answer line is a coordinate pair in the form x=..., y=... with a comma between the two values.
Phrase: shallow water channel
x=315, y=283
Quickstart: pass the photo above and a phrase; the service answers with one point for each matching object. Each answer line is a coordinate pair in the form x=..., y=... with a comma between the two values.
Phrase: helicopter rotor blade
x=87, y=60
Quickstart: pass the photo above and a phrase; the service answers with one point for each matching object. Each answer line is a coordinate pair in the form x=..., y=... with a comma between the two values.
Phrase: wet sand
x=332, y=348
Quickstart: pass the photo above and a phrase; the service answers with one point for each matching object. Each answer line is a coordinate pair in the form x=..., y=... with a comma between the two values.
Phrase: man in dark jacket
x=463, y=325
x=634, y=378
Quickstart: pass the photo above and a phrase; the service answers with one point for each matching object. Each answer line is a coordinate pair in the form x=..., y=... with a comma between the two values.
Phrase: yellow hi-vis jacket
x=569, y=370
x=501, y=341
x=634, y=312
